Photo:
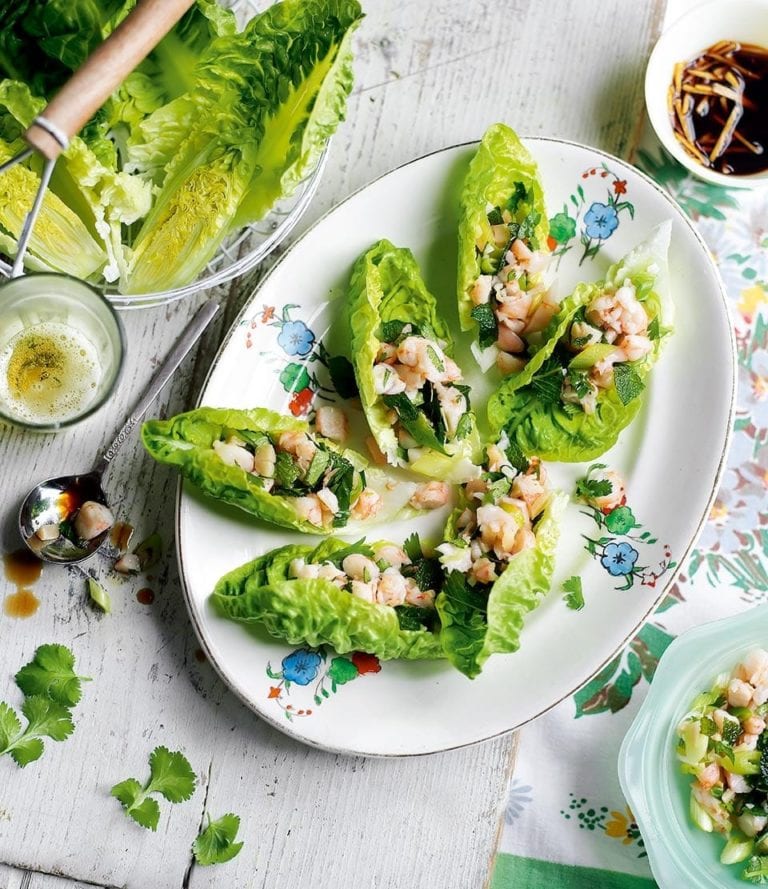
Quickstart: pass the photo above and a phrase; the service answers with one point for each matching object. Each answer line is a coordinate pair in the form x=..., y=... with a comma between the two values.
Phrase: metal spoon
x=56, y=501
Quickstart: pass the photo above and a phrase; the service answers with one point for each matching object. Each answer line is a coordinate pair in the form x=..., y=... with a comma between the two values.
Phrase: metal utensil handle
x=100, y=75
x=189, y=336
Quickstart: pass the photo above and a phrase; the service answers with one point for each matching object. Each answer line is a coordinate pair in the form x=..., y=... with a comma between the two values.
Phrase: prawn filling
x=324, y=487
x=603, y=342
x=511, y=301
x=498, y=516
x=722, y=743
x=421, y=387
x=374, y=597
x=384, y=574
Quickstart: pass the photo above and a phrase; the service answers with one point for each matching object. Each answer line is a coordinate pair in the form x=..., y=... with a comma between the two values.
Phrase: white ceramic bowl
x=742, y=20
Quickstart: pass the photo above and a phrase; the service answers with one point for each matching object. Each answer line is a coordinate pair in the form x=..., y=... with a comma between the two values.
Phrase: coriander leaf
x=627, y=381
x=51, y=674
x=26, y=750
x=127, y=792
x=488, y=326
x=172, y=775
x=99, y=596
x=10, y=727
x=147, y=813
x=579, y=380
x=47, y=718
x=215, y=845
x=412, y=547
x=589, y=488
x=574, y=597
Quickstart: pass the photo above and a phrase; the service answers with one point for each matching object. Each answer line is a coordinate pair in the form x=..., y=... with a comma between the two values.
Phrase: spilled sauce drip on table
x=22, y=569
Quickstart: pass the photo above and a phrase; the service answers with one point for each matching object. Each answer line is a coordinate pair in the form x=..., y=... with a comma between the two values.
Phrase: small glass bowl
x=743, y=20
x=47, y=298
x=680, y=854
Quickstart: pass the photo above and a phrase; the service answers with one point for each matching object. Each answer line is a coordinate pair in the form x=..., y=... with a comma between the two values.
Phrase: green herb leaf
x=548, y=382
x=496, y=490
x=437, y=362
x=488, y=326
x=390, y=331
x=519, y=195
x=731, y=731
x=589, y=488
x=317, y=467
x=707, y=726
x=99, y=596
x=574, y=596
x=410, y=617
x=10, y=726
x=172, y=775
x=627, y=381
x=412, y=547
x=287, y=470
x=464, y=427
x=27, y=750
x=579, y=380
x=414, y=421
x=47, y=718
x=216, y=844
x=51, y=674
x=495, y=217
x=516, y=457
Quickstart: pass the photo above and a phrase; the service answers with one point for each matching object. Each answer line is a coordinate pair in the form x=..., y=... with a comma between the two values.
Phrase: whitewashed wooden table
x=429, y=73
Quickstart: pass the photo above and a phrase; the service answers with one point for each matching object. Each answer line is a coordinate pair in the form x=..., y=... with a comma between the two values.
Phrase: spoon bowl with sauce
x=706, y=91
x=66, y=519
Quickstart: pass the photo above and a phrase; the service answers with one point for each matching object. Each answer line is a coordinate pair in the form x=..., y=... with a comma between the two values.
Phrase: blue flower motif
x=296, y=338
x=601, y=221
x=301, y=666
x=618, y=559
x=517, y=799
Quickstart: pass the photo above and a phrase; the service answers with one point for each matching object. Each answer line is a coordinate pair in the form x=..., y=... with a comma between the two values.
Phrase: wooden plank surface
x=429, y=73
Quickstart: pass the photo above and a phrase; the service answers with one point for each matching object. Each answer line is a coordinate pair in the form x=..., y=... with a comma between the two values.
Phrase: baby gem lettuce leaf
x=171, y=776
x=216, y=844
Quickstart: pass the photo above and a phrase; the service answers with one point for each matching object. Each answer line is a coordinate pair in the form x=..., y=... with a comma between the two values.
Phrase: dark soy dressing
x=719, y=107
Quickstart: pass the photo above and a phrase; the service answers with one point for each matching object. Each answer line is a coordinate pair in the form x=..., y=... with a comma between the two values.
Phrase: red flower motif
x=274, y=691
x=365, y=663
x=268, y=314
x=610, y=509
x=300, y=402
x=551, y=242
x=619, y=186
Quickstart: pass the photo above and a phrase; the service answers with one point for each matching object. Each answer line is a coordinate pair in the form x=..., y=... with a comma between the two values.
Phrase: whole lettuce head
x=386, y=287
x=502, y=174
x=476, y=624
x=316, y=612
x=528, y=405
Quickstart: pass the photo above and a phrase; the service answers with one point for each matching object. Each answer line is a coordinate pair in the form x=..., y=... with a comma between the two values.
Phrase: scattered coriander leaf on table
x=51, y=688
x=52, y=674
x=574, y=596
x=171, y=776
x=215, y=845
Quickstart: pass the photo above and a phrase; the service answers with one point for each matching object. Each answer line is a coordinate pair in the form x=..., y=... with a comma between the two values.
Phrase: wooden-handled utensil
x=87, y=90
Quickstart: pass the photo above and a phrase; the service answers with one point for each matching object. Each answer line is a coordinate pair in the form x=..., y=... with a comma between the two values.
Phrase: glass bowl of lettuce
x=199, y=165
x=657, y=790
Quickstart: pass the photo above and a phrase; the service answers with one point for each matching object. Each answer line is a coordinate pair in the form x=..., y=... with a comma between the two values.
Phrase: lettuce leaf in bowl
x=318, y=611
x=586, y=383
x=274, y=468
x=263, y=106
x=410, y=387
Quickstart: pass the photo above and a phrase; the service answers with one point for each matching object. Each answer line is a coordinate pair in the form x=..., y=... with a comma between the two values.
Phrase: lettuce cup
x=378, y=597
x=274, y=468
x=503, y=254
x=586, y=383
x=499, y=555
x=411, y=388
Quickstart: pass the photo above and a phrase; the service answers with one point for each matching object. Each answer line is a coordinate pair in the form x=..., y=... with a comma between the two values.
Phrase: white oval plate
x=671, y=457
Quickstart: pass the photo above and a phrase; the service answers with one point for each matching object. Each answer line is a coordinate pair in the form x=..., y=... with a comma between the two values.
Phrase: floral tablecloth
x=566, y=823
